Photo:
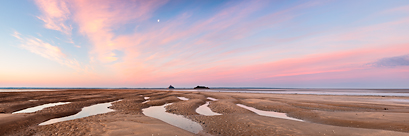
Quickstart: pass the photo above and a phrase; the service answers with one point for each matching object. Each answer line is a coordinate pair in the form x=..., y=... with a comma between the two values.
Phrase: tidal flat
x=312, y=114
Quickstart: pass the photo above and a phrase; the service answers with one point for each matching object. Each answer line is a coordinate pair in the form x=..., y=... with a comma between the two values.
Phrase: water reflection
x=211, y=98
x=398, y=100
x=28, y=90
x=85, y=112
x=358, y=92
x=160, y=113
x=205, y=110
x=183, y=98
x=269, y=113
x=37, y=108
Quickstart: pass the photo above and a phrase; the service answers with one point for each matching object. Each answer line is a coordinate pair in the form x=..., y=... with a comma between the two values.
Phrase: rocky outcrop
x=201, y=87
x=171, y=87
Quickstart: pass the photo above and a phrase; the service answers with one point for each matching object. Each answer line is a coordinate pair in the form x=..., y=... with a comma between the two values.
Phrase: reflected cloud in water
x=159, y=112
x=85, y=112
x=37, y=108
x=269, y=113
x=205, y=110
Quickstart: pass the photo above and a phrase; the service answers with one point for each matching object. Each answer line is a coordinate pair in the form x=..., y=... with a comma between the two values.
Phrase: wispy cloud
x=392, y=61
x=17, y=35
x=401, y=9
x=46, y=50
x=97, y=20
x=55, y=13
x=238, y=41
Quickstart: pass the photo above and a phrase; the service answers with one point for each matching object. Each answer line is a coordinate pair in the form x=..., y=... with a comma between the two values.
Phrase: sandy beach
x=313, y=114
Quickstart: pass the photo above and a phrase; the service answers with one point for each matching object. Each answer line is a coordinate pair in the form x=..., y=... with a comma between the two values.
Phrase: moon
x=158, y=20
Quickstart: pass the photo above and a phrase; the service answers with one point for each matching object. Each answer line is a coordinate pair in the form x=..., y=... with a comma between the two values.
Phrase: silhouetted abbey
x=201, y=87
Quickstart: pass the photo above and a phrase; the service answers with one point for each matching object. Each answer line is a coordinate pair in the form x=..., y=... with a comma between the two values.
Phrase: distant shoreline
x=192, y=88
x=351, y=92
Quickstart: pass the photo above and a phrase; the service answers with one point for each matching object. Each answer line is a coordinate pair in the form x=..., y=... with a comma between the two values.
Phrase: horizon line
x=188, y=88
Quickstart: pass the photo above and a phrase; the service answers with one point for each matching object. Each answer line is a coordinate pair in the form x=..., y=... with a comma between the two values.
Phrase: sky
x=216, y=43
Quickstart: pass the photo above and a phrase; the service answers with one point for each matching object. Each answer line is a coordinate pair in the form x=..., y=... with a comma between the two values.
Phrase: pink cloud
x=187, y=60
x=207, y=50
x=97, y=19
x=55, y=14
x=326, y=63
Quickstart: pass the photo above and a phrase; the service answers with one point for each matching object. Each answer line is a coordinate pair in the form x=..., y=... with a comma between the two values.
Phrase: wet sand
x=321, y=114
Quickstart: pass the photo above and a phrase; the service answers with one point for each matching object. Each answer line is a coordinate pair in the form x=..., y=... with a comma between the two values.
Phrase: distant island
x=171, y=87
x=201, y=87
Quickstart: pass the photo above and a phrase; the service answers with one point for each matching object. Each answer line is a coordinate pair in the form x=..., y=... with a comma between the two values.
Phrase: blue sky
x=73, y=43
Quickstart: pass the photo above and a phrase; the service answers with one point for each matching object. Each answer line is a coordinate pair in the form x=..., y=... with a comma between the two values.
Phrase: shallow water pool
x=211, y=98
x=397, y=100
x=85, y=112
x=37, y=108
x=269, y=113
x=205, y=110
x=159, y=112
x=183, y=98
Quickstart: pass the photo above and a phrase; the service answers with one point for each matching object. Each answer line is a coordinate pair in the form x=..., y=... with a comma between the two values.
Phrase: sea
x=310, y=91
